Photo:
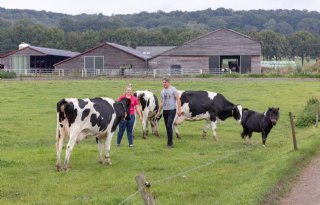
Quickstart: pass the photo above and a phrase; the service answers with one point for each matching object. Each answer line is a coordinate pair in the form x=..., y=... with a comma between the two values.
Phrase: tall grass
x=195, y=171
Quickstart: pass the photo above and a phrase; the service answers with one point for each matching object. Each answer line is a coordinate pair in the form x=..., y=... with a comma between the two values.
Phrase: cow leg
x=101, y=149
x=214, y=127
x=144, y=126
x=177, y=121
x=72, y=141
x=108, y=147
x=60, y=135
x=205, y=129
x=250, y=136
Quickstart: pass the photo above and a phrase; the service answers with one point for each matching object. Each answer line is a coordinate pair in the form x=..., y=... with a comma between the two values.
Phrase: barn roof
x=153, y=50
x=219, y=42
x=44, y=51
x=125, y=49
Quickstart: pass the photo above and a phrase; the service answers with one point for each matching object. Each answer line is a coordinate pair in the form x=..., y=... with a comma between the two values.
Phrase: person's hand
x=179, y=113
x=157, y=115
x=140, y=118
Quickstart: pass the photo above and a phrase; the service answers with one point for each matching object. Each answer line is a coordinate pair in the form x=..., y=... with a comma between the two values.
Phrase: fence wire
x=188, y=171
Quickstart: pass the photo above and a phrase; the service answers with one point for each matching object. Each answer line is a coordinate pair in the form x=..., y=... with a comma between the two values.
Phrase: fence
x=83, y=73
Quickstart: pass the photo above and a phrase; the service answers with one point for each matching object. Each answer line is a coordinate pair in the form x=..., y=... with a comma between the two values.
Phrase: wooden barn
x=221, y=50
x=29, y=57
x=103, y=57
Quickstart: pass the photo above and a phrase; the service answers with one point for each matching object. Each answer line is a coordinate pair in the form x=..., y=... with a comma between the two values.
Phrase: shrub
x=7, y=74
x=308, y=117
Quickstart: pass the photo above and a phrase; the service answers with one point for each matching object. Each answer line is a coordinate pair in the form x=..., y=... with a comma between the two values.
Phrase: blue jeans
x=129, y=125
x=168, y=116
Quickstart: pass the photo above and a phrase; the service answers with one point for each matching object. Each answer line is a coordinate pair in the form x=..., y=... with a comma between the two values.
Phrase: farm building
x=220, y=50
x=107, y=56
x=29, y=57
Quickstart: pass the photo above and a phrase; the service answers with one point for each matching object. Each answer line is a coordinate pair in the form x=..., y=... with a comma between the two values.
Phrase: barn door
x=214, y=64
x=245, y=64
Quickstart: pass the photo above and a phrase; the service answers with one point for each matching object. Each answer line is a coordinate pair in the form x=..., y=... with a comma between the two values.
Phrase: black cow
x=81, y=118
x=149, y=106
x=209, y=106
x=259, y=122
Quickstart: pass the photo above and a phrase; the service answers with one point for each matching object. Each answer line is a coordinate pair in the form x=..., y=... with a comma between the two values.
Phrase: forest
x=283, y=34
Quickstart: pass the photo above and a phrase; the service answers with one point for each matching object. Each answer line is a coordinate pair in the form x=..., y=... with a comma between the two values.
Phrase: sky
x=108, y=7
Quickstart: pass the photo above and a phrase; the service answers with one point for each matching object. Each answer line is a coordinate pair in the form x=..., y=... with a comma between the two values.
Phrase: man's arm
x=178, y=104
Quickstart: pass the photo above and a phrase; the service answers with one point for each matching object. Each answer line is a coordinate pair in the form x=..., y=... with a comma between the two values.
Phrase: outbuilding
x=29, y=57
x=222, y=50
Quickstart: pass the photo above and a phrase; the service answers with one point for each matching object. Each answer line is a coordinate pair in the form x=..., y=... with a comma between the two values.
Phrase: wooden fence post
x=144, y=188
x=293, y=132
x=317, y=115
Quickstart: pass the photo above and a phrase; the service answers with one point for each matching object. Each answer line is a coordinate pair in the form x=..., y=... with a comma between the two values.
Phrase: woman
x=128, y=124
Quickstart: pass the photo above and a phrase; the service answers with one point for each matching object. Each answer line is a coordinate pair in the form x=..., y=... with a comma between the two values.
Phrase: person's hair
x=129, y=85
x=166, y=79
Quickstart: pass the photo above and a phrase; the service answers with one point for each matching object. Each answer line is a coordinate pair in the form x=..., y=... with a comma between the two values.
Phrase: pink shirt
x=134, y=102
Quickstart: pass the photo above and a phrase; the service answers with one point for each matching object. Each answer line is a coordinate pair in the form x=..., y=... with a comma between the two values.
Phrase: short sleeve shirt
x=168, y=97
x=134, y=102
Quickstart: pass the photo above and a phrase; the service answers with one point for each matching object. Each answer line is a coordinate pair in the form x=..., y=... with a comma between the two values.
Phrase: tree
x=302, y=43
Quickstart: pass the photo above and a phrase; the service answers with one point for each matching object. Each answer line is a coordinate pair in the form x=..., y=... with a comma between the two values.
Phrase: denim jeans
x=168, y=116
x=123, y=125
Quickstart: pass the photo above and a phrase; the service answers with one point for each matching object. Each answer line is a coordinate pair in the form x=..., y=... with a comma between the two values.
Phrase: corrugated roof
x=153, y=50
x=55, y=52
x=130, y=50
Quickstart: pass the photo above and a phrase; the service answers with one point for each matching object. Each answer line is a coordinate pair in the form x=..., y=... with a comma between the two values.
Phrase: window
x=91, y=63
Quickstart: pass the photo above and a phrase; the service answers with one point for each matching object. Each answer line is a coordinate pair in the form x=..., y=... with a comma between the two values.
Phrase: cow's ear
x=269, y=108
x=135, y=94
x=278, y=108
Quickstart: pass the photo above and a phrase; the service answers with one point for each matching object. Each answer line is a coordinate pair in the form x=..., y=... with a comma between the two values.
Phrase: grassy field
x=195, y=171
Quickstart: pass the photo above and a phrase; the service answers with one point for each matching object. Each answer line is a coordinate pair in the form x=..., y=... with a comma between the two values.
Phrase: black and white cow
x=205, y=105
x=258, y=122
x=149, y=105
x=81, y=118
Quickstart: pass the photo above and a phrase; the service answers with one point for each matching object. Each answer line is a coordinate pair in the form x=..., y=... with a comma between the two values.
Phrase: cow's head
x=273, y=115
x=155, y=124
x=126, y=104
x=237, y=113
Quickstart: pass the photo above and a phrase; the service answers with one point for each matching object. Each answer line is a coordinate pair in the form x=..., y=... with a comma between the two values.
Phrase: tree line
x=79, y=35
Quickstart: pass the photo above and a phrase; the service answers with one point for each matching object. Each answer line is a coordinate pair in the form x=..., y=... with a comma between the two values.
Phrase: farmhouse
x=220, y=50
x=29, y=57
x=107, y=56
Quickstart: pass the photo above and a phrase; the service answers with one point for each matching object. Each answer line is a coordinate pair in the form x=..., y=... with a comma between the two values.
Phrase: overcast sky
x=108, y=7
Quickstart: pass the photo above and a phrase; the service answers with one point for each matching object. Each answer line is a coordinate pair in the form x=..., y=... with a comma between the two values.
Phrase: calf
x=259, y=122
x=81, y=118
x=149, y=106
x=205, y=105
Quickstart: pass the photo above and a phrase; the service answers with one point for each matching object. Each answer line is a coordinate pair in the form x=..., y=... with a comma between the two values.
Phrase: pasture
x=195, y=171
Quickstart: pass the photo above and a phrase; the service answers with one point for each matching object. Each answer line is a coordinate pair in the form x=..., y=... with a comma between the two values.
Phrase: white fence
x=278, y=64
x=82, y=73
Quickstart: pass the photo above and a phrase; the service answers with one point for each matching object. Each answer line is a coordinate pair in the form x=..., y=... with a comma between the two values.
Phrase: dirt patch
x=306, y=189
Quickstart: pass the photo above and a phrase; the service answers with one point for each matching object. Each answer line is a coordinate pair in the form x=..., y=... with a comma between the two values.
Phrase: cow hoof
x=58, y=168
x=100, y=161
x=178, y=136
x=156, y=134
x=215, y=139
x=66, y=169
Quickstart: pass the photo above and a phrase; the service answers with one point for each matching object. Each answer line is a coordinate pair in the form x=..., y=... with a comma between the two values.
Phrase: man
x=171, y=105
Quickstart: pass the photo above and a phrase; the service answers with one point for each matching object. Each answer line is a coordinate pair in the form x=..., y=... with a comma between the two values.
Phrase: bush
x=308, y=117
x=7, y=74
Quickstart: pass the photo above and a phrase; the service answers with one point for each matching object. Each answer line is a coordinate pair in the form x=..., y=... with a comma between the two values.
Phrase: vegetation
x=284, y=34
x=7, y=74
x=203, y=171
x=308, y=115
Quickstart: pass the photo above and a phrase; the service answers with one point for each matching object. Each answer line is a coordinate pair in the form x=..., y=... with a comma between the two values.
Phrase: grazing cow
x=81, y=118
x=258, y=122
x=209, y=106
x=149, y=106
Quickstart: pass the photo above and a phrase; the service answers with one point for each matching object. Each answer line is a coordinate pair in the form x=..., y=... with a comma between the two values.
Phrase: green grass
x=195, y=171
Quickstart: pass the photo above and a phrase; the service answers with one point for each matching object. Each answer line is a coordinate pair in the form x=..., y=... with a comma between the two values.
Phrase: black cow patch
x=82, y=103
x=142, y=101
x=105, y=111
x=85, y=113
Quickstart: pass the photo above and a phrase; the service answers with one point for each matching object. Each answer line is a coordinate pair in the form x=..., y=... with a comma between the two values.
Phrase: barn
x=222, y=50
x=29, y=57
x=104, y=57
